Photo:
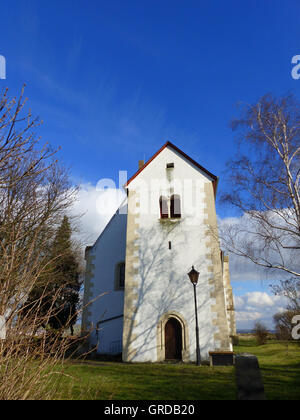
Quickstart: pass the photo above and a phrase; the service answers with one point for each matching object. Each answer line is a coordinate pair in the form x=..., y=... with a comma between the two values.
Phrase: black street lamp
x=194, y=276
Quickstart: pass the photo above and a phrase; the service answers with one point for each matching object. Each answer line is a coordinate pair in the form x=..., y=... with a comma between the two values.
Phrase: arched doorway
x=173, y=340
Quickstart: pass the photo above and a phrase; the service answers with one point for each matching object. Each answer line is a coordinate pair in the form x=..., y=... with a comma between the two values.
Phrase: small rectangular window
x=120, y=276
x=175, y=206
x=170, y=245
x=170, y=165
x=164, y=210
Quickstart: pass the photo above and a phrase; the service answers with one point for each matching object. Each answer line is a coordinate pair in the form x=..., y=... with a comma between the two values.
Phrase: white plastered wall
x=163, y=284
x=108, y=251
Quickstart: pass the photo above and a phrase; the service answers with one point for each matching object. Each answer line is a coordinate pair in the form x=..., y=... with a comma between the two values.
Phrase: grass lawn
x=280, y=367
x=111, y=380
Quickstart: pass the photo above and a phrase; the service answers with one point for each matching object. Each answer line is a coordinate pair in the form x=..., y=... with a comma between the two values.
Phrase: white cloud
x=239, y=302
x=257, y=306
x=259, y=299
x=241, y=268
x=96, y=207
x=243, y=316
x=245, y=235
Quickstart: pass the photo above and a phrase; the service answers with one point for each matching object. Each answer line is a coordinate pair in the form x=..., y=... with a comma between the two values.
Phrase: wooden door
x=173, y=340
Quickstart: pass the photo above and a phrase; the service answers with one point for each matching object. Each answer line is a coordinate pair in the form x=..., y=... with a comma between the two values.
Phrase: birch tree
x=263, y=187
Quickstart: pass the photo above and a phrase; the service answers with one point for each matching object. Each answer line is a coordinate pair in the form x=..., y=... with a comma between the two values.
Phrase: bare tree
x=284, y=324
x=261, y=333
x=35, y=193
x=264, y=187
x=290, y=289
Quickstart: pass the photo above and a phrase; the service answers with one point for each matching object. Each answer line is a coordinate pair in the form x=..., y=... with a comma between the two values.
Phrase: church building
x=138, y=298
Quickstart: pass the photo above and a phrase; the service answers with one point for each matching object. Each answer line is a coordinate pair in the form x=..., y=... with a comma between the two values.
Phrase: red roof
x=169, y=144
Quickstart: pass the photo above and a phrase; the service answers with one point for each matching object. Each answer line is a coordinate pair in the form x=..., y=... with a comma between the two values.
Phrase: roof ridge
x=168, y=143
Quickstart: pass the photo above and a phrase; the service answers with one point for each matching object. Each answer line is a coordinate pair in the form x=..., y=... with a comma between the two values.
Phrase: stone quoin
x=139, y=265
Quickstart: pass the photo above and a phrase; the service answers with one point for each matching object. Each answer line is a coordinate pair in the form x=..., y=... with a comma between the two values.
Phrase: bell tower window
x=175, y=206
x=164, y=210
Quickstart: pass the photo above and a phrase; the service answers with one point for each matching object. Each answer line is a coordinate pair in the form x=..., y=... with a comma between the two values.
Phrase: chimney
x=141, y=163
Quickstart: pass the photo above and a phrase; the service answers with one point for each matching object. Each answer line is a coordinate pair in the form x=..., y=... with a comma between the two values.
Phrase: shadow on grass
x=152, y=382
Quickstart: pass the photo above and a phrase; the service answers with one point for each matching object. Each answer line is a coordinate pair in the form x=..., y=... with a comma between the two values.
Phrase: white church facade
x=138, y=298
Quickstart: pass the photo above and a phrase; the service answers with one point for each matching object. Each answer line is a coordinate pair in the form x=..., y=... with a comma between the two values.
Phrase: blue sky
x=114, y=80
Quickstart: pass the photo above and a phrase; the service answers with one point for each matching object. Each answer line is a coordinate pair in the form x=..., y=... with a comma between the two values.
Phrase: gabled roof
x=169, y=144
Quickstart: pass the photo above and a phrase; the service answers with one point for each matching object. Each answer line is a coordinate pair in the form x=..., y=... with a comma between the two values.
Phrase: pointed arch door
x=173, y=340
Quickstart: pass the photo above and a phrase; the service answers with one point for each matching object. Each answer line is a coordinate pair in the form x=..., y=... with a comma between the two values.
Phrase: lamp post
x=194, y=276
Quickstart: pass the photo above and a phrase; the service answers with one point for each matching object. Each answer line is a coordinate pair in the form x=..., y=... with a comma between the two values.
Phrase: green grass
x=280, y=367
x=108, y=380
